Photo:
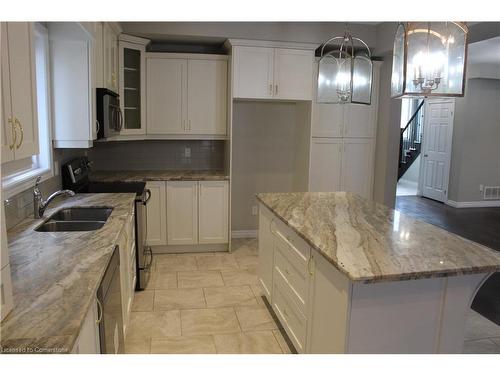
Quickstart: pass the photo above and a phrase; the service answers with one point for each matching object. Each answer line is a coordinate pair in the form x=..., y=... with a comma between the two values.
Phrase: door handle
x=14, y=134
x=18, y=123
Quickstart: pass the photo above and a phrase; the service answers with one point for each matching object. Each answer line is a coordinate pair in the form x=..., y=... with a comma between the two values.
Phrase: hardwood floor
x=481, y=225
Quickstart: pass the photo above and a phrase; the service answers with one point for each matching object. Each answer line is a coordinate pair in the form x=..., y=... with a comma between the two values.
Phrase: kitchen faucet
x=39, y=204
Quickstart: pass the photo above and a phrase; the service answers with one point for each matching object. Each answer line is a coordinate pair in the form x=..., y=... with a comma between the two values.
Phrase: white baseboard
x=408, y=182
x=473, y=204
x=244, y=233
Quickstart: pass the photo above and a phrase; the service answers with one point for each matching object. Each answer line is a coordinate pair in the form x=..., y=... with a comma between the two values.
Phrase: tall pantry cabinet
x=343, y=145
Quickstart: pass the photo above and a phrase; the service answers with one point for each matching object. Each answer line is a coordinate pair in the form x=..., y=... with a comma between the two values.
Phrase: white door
x=436, y=148
x=253, y=72
x=326, y=164
x=182, y=212
x=23, y=87
x=293, y=74
x=357, y=166
x=327, y=120
x=7, y=128
x=156, y=211
x=207, y=87
x=166, y=96
x=213, y=212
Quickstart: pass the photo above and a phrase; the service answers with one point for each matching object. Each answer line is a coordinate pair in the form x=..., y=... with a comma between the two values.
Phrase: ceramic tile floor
x=204, y=303
x=210, y=303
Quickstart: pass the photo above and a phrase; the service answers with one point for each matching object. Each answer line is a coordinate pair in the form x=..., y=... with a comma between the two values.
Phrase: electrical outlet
x=255, y=210
x=187, y=152
x=481, y=188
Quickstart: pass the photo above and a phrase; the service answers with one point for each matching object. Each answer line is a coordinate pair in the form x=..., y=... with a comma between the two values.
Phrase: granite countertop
x=370, y=242
x=162, y=175
x=55, y=276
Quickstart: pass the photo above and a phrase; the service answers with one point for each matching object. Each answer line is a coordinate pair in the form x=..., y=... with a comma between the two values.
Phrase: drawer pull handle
x=309, y=262
x=99, y=312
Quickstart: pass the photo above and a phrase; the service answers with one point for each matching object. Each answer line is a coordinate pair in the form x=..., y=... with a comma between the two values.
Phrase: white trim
x=17, y=184
x=193, y=56
x=270, y=44
x=472, y=204
x=133, y=39
x=244, y=233
x=143, y=137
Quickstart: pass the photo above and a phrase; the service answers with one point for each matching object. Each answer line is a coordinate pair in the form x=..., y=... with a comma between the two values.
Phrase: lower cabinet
x=182, y=212
x=188, y=213
x=88, y=340
x=266, y=252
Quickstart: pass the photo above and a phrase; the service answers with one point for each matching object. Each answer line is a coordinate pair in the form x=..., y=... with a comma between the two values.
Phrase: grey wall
x=412, y=174
x=156, y=155
x=476, y=141
x=264, y=136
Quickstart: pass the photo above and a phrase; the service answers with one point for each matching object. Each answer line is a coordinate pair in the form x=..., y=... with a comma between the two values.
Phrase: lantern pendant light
x=429, y=59
x=345, y=72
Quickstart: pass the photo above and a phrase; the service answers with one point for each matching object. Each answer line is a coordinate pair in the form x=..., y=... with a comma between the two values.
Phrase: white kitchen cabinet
x=327, y=120
x=293, y=70
x=166, y=96
x=132, y=83
x=213, y=202
x=266, y=252
x=182, y=212
x=88, y=341
x=156, y=214
x=326, y=164
x=73, y=85
x=272, y=73
x=206, y=99
x=19, y=105
x=253, y=72
x=357, y=166
x=110, y=54
x=186, y=95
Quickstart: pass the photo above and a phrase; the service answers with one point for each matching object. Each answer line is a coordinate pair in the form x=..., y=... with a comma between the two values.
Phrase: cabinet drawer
x=294, y=248
x=293, y=320
x=296, y=278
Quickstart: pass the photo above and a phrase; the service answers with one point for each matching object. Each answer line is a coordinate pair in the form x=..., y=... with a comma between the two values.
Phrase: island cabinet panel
x=266, y=251
x=329, y=308
x=88, y=341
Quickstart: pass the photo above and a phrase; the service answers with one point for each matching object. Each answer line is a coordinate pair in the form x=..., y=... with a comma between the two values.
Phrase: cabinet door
x=360, y=120
x=213, y=212
x=326, y=164
x=182, y=212
x=293, y=74
x=110, y=44
x=357, y=166
x=253, y=72
x=156, y=214
x=132, y=72
x=167, y=96
x=88, y=341
x=266, y=252
x=7, y=130
x=207, y=87
x=21, y=52
x=124, y=277
x=327, y=120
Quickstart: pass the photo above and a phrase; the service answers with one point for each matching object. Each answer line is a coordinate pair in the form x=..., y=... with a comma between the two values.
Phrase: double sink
x=76, y=219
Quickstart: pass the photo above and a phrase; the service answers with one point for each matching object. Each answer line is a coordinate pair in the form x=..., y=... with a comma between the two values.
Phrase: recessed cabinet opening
x=132, y=88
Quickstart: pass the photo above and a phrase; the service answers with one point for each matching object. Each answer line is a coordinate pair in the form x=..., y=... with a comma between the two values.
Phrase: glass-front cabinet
x=133, y=84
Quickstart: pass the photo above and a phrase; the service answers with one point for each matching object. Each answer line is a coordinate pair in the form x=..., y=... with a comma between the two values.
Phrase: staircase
x=410, y=142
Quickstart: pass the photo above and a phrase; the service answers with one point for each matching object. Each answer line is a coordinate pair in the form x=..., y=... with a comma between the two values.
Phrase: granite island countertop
x=159, y=175
x=370, y=242
x=55, y=276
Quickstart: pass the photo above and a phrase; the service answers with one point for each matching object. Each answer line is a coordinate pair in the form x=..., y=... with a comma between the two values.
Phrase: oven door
x=113, y=118
x=144, y=253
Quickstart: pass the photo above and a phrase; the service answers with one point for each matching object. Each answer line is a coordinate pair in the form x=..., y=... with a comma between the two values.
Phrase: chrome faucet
x=39, y=204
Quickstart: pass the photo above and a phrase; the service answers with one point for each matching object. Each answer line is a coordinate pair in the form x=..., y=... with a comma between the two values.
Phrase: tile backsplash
x=158, y=154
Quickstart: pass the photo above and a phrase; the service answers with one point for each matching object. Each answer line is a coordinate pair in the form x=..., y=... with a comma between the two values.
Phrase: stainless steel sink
x=76, y=219
x=82, y=214
x=70, y=226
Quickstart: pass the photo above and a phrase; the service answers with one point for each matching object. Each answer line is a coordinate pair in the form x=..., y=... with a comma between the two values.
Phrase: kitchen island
x=346, y=275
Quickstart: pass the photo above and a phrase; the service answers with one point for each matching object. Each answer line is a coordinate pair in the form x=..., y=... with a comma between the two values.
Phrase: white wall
x=412, y=174
x=475, y=155
x=265, y=140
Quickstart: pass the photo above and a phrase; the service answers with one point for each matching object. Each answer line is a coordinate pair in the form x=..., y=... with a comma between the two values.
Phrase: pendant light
x=429, y=59
x=345, y=71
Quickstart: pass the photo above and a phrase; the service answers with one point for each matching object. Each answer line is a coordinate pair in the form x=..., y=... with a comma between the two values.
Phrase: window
x=18, y=175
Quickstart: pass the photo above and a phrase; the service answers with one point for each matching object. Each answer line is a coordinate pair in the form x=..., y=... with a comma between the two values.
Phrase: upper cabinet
x=132, y=83
x=19, y=105
x=186, y=95
x=347, y=120
x=273, y=71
